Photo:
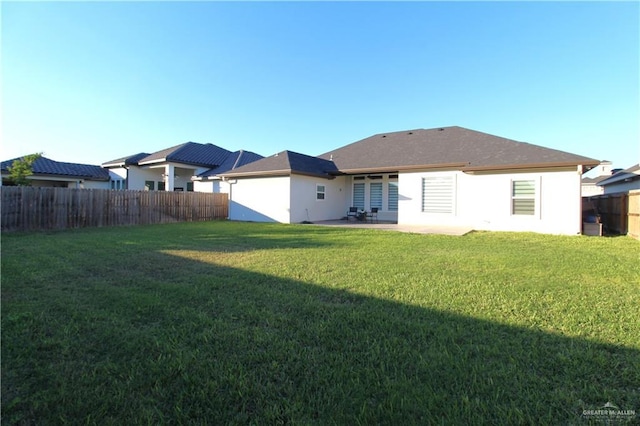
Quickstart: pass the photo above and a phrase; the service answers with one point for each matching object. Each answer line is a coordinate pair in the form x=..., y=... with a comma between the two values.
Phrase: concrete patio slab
x=415, y=229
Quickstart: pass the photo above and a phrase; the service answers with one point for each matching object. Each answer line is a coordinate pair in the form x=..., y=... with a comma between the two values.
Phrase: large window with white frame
x=523, y=197
x=358, y=195
x=392, y=202
x=438, y=194
x=375, y=195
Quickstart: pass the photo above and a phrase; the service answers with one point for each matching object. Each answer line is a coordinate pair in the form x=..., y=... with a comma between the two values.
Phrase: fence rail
x=39, y=208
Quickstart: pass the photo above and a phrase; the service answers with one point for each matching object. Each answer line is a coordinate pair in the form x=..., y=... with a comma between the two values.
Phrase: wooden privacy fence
x=618, y=213
x=33, y=208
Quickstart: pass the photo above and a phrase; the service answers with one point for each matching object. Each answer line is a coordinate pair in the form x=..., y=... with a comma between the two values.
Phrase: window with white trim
x=320, y=192
x=358, y=195
x=375, y=195
x=523, y=197
x=393, y=197
x=438, y=194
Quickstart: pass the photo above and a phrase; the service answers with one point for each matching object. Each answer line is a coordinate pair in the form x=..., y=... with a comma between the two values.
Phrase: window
x=523, y=197
x=375, y=195
x=438, y=194
x=358, y=195
x=190, y=186
x=320, y=192
x=393, y=196
x=113, y=184
x=161, y=186
x=149, y=185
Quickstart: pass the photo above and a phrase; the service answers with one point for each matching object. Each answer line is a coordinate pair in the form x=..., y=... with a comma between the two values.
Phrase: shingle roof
x=233, y=161
x=126, y=161
x=191, y=153
x=286, y=163
x=48, y=167
x=594, y=180
x=454, y=147
x=631, y=173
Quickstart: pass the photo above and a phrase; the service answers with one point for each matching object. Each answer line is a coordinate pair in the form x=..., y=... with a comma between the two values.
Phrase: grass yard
x=232, y=323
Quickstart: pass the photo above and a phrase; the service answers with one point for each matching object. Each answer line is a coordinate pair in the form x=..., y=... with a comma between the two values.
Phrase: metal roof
x=191, y=153
x=233, y=161
x=47, y=167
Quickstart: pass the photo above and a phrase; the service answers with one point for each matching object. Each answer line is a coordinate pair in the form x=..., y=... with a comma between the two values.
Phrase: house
x=590, y=184
x=189, y=166
x=50, y=173
x=448, y=176
x=622, y=181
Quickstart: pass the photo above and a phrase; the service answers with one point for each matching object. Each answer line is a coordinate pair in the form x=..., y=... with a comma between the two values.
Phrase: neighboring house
x=589, y=184
x=184, y=167
x=445, y=176
x=622, y=181
x=50, y=173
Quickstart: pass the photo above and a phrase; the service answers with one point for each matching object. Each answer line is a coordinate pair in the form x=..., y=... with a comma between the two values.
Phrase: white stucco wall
x=306, y=207
x=138, y=175
x=260, y=199
x=483, y=201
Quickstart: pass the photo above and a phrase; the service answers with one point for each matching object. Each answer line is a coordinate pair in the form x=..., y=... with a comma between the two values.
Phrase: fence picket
x=42, y=208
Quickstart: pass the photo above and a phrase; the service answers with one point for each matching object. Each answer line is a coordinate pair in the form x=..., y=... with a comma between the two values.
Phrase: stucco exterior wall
x=260, y=199
x=306, y=207
x=483, y=201
x=138, y=175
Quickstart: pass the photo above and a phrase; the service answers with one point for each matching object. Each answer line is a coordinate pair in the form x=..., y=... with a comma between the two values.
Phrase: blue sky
x=90, y=82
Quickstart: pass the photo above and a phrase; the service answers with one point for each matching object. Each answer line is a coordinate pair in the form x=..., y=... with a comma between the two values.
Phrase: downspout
x=230, y=182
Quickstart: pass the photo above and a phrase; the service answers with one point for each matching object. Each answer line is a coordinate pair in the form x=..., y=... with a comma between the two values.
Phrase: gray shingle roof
x=233, y=161
x=47, y=167
x=286, y=163
x=191, y=153
x=632, y=173
x=454, y=147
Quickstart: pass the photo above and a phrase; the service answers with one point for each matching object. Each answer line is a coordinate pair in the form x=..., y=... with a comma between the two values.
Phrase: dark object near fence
x=33, y=208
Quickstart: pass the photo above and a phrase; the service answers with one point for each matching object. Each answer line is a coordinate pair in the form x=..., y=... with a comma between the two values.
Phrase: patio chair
x=373, y=215
x=353, y=212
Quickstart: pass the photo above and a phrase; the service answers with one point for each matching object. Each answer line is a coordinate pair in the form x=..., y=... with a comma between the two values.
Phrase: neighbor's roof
x=631, y=173
x=191, y=153
x=126, y=161
x=233, y=161
x=286, y=163
x=47, y=167
x=446, y=147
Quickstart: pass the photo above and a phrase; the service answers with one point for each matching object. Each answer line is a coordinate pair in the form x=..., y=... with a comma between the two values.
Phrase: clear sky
x=90, y=82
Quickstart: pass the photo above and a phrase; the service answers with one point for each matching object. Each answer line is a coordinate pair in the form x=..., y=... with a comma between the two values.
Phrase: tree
x=21, y=168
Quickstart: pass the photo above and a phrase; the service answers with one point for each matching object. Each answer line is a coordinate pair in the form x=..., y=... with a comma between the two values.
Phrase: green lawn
x=232, y=323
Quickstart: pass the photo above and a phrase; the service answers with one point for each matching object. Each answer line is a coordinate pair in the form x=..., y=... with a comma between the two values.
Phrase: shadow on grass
x=238, y=347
